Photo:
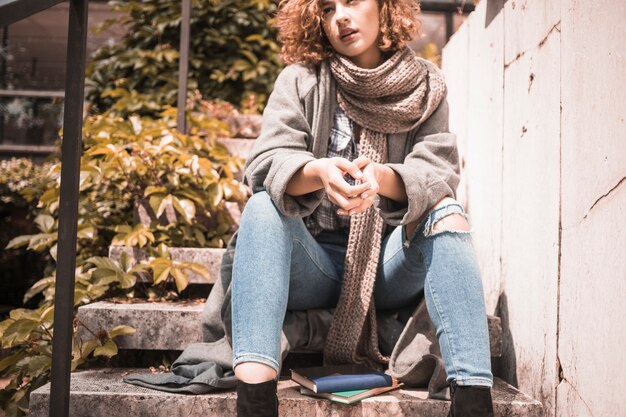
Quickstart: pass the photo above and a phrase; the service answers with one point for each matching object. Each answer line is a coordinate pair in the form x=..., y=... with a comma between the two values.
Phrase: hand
x=371, y=176
x=331, y=171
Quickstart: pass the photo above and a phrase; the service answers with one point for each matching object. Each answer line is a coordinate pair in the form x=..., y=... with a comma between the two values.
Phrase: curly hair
x=302, y=36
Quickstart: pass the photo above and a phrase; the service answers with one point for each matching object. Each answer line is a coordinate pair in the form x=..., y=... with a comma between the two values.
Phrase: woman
x=353, y=177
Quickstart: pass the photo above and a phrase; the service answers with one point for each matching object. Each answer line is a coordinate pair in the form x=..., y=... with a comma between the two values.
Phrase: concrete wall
x=537, y=92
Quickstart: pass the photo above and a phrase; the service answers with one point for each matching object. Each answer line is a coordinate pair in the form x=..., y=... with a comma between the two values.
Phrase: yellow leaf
x=151, y=189
x=109, y=349
x=197, y=268
x=88, y=347
x=164, y=203
x=185, y=207
x=163, y=275
x=122, y=330
x=180, y=278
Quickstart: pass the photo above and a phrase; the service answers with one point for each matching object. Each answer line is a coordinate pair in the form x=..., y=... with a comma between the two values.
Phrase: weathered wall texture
x=537, y=93
x=592, y=335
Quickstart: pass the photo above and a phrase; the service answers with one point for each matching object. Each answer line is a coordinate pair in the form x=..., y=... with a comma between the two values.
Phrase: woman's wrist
x=390, y=183
x=306, y=179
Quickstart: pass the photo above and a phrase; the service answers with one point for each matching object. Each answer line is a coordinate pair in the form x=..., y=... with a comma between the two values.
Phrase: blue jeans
x=279, y=265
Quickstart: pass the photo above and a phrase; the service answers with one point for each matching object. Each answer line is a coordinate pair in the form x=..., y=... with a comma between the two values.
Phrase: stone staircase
x=167, y=328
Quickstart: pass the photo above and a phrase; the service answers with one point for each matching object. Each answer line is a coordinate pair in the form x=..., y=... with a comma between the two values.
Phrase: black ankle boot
x=257, y=400
x=470, y=401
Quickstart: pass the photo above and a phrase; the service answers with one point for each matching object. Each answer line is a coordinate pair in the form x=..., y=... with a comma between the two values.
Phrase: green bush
x=182, y=183
x=233, y=55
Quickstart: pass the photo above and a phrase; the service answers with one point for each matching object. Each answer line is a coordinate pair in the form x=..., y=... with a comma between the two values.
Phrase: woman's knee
x=260, y=201
x=261, y=216
x=453, y=223
x=260, y=209
x=447, y=216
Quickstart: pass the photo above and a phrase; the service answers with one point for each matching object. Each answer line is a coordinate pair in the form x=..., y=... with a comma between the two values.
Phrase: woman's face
x=352, y=27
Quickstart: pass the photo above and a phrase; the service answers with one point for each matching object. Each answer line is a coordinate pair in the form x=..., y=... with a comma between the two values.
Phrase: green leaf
x=151, y=189
x=53, y=251
x=197, y=268
x=12, y=359
x=4, y=325
x=104, y=276
x=48, y=197
x=103, y=262
x=215, y=194
x=164, y=203
x=122, y=330
x=127, y=281
x=35, y=365
x=18, y=332
x=127, y=261
x=155, y=201
x=23, y=313
x=42, y=241
x=163, y=251
x=180, y=278
x=109, y=349
x=199, y=237
x=19, y=242
x=88, y=347
x=47, y=314
x=186, y=208
x=86, y=232
x=162, y=275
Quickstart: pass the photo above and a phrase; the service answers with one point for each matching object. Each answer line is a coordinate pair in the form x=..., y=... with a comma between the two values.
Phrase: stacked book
x=345, y=384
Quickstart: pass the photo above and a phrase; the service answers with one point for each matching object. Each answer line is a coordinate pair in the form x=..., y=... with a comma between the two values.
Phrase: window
x=32, y=76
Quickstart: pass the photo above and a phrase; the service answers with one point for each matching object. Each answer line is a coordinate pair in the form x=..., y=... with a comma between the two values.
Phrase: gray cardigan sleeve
x=430, y=171
x=284, y=145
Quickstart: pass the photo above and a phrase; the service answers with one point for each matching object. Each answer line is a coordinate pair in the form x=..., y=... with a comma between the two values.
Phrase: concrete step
x=102, y=393
x=159, y=325
x=209, y=257
x=174, y=325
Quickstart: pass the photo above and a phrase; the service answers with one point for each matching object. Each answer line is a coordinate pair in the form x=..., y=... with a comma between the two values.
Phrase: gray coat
x=296, y=127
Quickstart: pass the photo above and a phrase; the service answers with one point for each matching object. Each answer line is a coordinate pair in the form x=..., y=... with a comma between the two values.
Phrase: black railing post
x=71, y=149
x=183, y=64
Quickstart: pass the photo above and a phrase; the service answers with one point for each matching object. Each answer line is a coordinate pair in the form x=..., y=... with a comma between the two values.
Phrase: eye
x=326, y=10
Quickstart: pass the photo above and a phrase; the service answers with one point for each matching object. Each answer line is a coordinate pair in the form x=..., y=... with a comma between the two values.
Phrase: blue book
x=340, y=378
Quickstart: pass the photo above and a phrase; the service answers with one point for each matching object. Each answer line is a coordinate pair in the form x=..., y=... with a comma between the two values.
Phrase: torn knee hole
x=451, y=223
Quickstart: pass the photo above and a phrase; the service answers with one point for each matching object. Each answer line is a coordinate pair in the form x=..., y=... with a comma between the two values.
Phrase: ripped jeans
x=279, y=265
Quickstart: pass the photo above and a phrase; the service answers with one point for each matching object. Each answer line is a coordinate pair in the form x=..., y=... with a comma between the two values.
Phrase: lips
x=346, y=33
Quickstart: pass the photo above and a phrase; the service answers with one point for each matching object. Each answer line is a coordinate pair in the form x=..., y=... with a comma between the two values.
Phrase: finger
x=369, y=176
x=365, y=204
x=350, y=168
x=340, y=185
x=356, y=210
x=337, y=199
x=351, y=204
x=362, y=161
x=370, y=192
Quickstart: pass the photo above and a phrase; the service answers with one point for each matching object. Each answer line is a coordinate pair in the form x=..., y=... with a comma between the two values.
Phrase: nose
x=341, y=14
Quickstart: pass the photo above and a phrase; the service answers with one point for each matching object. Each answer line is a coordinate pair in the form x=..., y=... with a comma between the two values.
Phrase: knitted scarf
x=397, y=96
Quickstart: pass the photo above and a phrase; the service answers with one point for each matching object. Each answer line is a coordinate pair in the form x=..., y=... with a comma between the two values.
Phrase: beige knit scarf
x=397, y=96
